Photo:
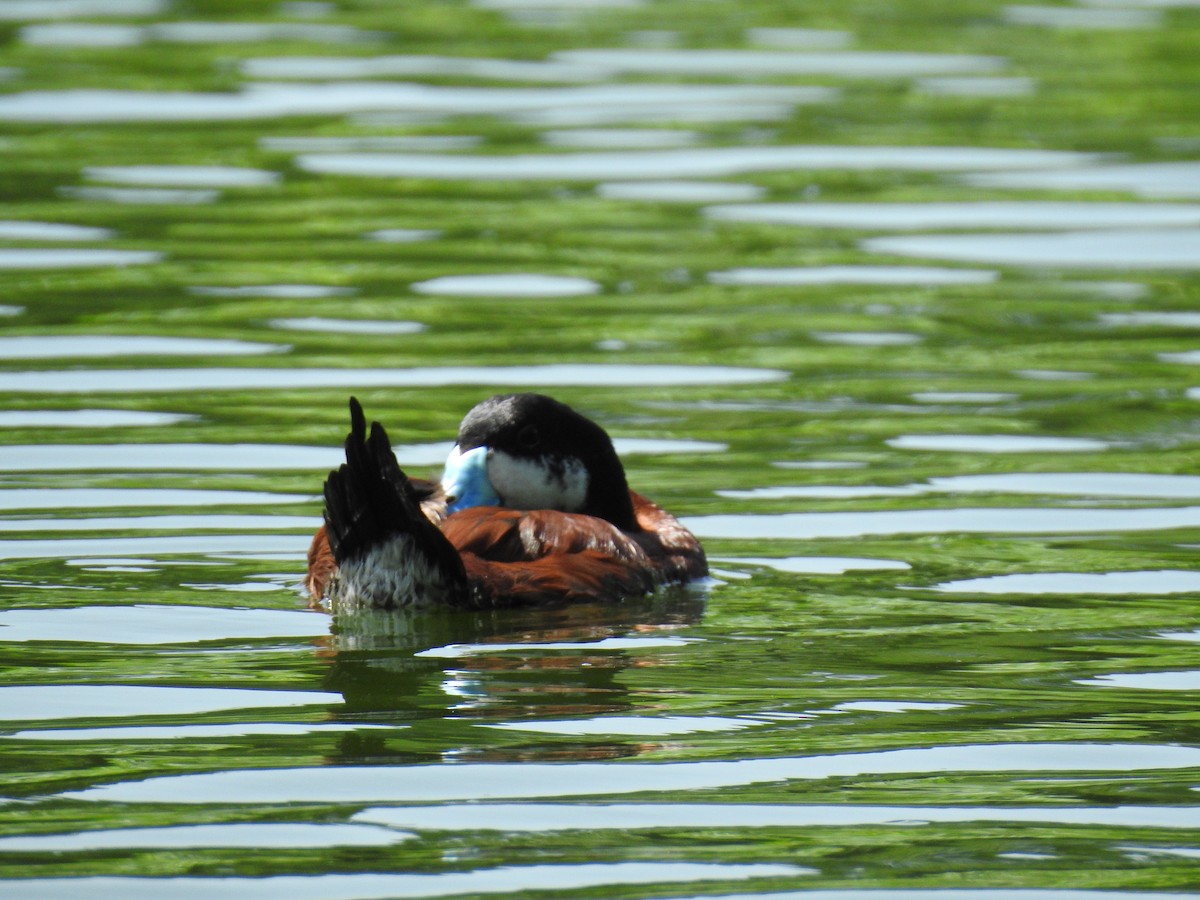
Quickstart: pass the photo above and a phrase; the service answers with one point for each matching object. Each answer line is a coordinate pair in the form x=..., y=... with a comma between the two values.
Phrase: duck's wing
x=665, y=539
x=515, y=557
x=588, y=576
x=387, y=553
x=498, y=534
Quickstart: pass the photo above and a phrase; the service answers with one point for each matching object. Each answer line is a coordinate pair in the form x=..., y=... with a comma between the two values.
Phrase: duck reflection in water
x=444, y=672
x=532, y=537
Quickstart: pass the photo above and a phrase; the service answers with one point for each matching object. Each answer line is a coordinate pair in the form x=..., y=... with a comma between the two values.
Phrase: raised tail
x=388, y=554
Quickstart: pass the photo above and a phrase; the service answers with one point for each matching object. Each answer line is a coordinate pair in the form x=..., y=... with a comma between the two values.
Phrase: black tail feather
x=369, y=501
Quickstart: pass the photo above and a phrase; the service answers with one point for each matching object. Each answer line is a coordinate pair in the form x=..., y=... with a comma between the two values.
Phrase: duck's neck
x=608, y=498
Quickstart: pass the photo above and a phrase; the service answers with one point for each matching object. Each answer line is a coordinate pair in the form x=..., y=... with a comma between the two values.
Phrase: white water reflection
x=172, y=457
x=551, y=13
x=1111, y=290
x=1156, y=4
x=274, y=291
x=114, y=565
x=155, y=733
x=823, y=492
x=1142, y=853
x=799, y=38
x=560, y=879
x=867, y=338
x=890, y=706
x=241, y=587
x=1163, y=581
x=757, y=63
x=140, y=196
x=979, y=214
x=74, y=258
x=484, y=781
x=109, y=498
x=11, y=230
x=883, y=275
x=183, y=176
x=1188, y=357
x=817, y=565
x=1189, y=636
x=215, y=379
x=257, y=835
x=110, y=345
x=679, y=191
x=403, y=235
x=35, y=10
x=1147, y=249
x=8, y=310
x=88, y=418
x=1075, y=484
x=258, y=32
x=348, y=326
x=963, y=396
x=630, y=726
x=819, y=465
x=83, y=34
x=982, y=86
x=241, y=546
x=152, y=625
x=432, y=143
x=701, y=162
x=1151, y=319
x=330, y=68
x=614, y=138
x=85, y=701
x=92, y=35
x=633, y=446
x=1071, y=17
x=1164, y=179
x=623, y=644
x=214, y=522
x=1148, y=681
x=962, y=893
x=996, y=443
x=575, y=5
x=1052, y=375
x=267, y=100
x=969, y=520
x=536, y=817
x=508, y=284
x=697, y=110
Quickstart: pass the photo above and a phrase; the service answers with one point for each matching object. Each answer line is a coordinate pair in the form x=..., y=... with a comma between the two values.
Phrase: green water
x=873, y=692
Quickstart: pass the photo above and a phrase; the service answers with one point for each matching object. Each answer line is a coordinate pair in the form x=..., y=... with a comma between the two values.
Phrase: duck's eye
x=528, y=437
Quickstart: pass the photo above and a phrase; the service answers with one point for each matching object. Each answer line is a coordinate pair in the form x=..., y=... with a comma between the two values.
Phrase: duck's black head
x=528, y=451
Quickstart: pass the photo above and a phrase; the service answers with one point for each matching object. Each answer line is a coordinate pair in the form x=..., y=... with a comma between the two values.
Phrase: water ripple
x=483, y=781
x=562, y=878
x=33, y=702
x=258, y=835
x=216, y=379
x=156, y=624
x=1035, y=520
x=622, y=816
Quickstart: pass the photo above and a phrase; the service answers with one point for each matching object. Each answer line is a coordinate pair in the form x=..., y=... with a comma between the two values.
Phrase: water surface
x=894, y=306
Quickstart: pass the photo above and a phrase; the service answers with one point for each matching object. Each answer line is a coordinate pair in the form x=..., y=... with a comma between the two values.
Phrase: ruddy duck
x=533, y=507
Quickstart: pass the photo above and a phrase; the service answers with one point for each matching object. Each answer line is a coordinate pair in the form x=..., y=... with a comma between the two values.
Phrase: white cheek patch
x=538, y=483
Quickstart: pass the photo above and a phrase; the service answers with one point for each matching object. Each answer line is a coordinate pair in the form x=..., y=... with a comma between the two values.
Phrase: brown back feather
x=515, y=557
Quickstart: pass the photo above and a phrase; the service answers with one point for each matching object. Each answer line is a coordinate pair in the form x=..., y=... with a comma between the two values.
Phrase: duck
x=533, y=508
